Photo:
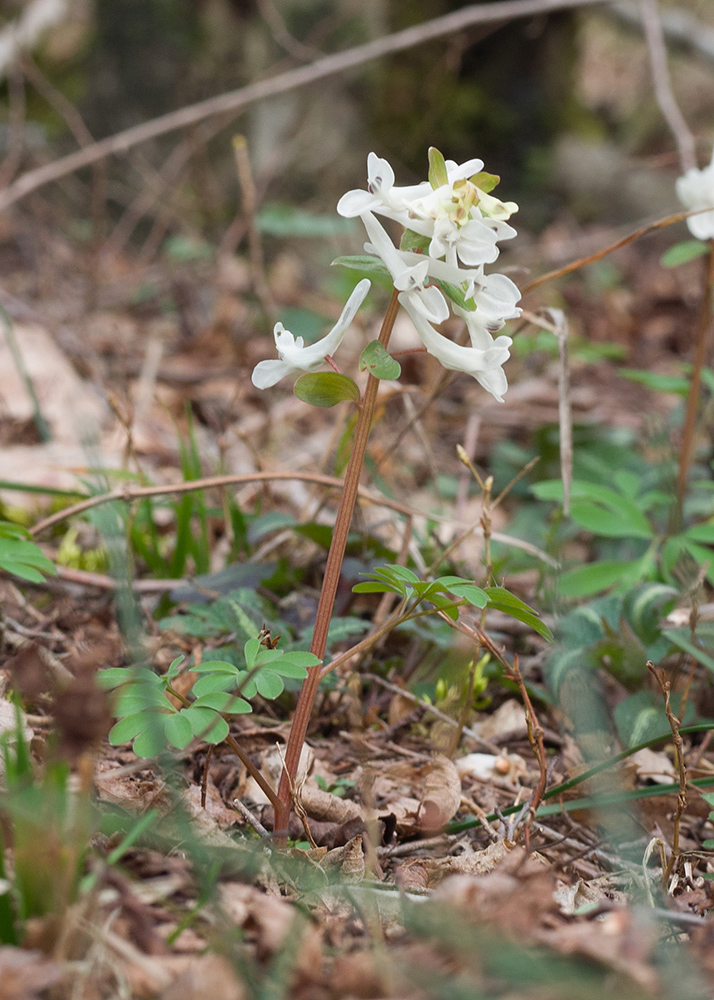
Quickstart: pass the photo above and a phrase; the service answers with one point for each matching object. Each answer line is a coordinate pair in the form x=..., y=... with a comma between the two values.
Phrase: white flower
x=483, y=362
x=381, y=195
x=695, y=190
x=295, y=357
x=408, y=277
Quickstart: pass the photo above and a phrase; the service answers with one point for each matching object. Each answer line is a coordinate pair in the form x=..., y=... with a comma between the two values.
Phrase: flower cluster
x=449, y=220
x=695, y=190
x=452, y=226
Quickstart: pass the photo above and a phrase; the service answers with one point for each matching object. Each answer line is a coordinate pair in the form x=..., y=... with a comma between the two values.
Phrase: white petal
x=702, y=226
x=379, y=173
x=312, y=357
x=460, y=173
x=495, y=382
x=432, y=304
x=353, y=203
x=267, y=373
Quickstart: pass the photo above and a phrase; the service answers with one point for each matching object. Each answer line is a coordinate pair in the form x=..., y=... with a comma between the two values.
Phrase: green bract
x=149, y=719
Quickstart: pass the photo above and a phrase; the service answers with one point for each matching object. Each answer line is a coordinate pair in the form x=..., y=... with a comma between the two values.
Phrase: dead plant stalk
x=675, y=724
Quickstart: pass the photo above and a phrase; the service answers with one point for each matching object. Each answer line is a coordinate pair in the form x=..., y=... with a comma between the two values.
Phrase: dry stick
x=17, y=106
x=690, y=418
x=330, y=583
x=536, y=738
x=129, y=493
x=657, y=48
x=674, y=724
x=234, y=101
x=575, y=265
x=250, y=208
x=204, y=776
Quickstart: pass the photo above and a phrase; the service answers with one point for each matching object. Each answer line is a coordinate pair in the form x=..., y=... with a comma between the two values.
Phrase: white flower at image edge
x=695, y=190
x=294, y=357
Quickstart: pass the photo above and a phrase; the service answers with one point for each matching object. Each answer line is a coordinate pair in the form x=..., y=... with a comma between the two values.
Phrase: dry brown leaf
x=208, y=976
x=348, y=860
x=25, y=974
x=506, y=723
x=328, y=808
x=441, y=796
x=215, y=809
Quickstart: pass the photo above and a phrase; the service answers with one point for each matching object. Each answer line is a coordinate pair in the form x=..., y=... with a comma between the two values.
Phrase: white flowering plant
x=451, y=225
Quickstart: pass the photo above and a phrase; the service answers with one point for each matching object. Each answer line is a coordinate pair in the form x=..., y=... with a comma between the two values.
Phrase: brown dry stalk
x=333, y=567
x=575, y=265
x=700, y=354
x=674, y=724
x=536, y=738
x=250, y=210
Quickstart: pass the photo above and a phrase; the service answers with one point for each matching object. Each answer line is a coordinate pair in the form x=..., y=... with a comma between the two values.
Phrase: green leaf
x=269, y=684
x=683, y=252
x=414, y=242
x=675, y=384
x=365, y=263
x=627, y=522
x=222, y=701
x=21, y=557
x=484, y=181
x=591, y=579
x=214, y=682
x=326, y=389
x=701, y=533
x=126, y=729
x=283, y=220
x=683, y=641
x=216, y=667
x=465, y=588
x=375, y=587
x=113, y=677
x=379, y=362
x=151, y=742
x=503, y=600
x=437, y=168
x=178, y=731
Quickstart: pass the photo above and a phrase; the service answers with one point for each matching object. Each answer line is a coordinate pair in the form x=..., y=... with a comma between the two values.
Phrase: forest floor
x=181, y=894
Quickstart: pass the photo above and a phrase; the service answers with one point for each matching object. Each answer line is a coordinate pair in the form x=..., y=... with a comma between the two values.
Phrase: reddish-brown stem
x=700, y=353
x=333, y=568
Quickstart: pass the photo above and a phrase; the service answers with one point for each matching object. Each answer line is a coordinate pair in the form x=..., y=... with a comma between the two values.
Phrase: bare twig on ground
x=537, y=742
x=128, y=493
x=235, y=101
x=674, y=724
x=251, y=819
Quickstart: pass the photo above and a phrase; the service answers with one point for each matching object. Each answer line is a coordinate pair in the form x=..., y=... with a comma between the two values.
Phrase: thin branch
x=575, y=265
x=675, y=725
x=128, y=493
x=235, y=101
x=686, y=145
x=250, y=210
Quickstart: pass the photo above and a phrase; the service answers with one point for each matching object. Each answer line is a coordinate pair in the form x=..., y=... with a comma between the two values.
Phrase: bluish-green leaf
x=151, y=742
x=626, y=522
x=379, y=362
x=326, y=389
x=682, y=253
x=178, y=731
x=126, y=729
x=269, y=684
x=365, y=263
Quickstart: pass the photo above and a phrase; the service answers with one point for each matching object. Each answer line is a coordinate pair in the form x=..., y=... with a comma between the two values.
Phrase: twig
x=565, y=412
x=250, y=208
x=657, y=49
x=234, y=101
x=43, y=428
x=679, y=26
x=575, y=265
x=251, y=819
x=17, y=105
x=204, y=776
x=278, y=29
x=674, y=723
x=700, y=353
x=128, y=493
x=537, y=742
